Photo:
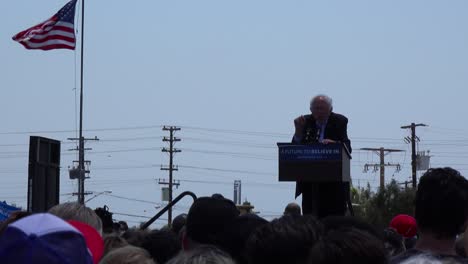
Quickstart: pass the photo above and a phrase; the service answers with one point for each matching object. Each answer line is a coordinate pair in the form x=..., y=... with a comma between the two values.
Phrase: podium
x=314, y=162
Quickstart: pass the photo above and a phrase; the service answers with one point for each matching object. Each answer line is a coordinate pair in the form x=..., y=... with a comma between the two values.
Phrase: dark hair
x=410, y=242
x=460, y=246
x=178, y=222
x=123, y=225
x=335, y=222
x=14, y=216
x=284, y=240
x=441, y=204
x=348, y=245
x=135, y=237
x=393, y=242
x=292, y=209
x=113, y=241
x=162, y=245
x=208, y=217
x=235, y=237
x=106, y=218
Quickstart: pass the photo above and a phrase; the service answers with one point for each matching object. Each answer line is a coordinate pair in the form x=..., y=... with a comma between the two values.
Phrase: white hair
x=424, y=259
x=323, y=97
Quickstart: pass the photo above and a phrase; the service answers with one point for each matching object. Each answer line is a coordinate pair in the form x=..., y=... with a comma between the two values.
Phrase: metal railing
x=169, y=205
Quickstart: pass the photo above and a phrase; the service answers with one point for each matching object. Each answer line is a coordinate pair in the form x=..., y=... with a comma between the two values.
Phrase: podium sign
x=313, y=162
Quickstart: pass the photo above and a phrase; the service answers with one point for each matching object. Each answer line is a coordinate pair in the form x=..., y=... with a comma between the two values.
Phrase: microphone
x=308, y=135
x=308, y=131
x=317, y=135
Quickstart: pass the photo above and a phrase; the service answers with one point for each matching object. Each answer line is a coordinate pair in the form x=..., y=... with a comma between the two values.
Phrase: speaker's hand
x=328, y=141
x=299, y=124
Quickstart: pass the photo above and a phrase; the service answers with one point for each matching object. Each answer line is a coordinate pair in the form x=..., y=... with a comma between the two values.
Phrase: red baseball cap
x=93, y=239
x=405, y=225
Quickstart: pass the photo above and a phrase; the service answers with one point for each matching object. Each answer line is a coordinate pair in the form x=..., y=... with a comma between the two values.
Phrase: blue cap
x=43, y=238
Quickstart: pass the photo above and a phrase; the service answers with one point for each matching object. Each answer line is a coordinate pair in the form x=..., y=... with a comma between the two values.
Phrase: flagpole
x=81, y=167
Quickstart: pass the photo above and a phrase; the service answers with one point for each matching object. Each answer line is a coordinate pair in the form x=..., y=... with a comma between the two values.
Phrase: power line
x=87, y=130
x=229, y=142
x=271, y=185
x=241, y=132
x=130, y=139
x=231, y=154
x=132, y=199
x=139, y=216
x=224, y=170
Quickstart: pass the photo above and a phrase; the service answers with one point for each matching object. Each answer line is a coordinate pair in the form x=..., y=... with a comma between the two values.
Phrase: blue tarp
x=6, y=210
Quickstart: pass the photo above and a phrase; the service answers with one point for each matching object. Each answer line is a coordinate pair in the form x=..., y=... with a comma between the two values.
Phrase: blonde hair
x=202, y=254
x=77, y=212
x=127, y=255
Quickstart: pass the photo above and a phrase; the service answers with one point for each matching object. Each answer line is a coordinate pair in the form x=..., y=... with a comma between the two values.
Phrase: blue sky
x=222, y=70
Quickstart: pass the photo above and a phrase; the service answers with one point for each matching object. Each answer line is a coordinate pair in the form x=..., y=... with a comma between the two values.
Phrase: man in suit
x=325, y=127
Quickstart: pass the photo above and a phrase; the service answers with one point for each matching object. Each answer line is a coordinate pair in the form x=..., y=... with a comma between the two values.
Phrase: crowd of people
x=214, y=231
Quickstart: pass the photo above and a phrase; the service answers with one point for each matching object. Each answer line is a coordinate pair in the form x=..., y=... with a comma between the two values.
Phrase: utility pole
x=381, y=152
x=405, y=183
x=80, y=172
x=171, y=166
x=413, y=150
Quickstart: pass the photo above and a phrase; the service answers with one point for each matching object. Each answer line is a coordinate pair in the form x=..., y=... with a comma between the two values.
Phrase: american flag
x=56, y=32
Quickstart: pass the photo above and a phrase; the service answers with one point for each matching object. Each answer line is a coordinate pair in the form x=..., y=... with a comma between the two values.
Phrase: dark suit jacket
x=336, y=129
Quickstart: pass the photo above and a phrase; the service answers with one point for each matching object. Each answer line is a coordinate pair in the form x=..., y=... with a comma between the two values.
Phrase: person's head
x=346, y=245
x=441, y=203
x=334, y=222
x=410, y=242
x=204, y=254
x=465, y=240
x=284, y=240
x=15, y=216
x=123, y=226
x=178, y=222
x=427, y=258
x=43, y=238
x=135, y=237
x=292, y=209
x=106, y=218
x=393, y=242
x=207, y=219
x=460, y=246
x=321, y=106
x=113, y=241
x=127, y=255
x=162, y=245
x=77, y=212
x=236, y=236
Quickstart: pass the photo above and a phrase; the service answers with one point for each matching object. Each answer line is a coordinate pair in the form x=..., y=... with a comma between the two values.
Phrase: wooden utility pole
x=171, y=166
x=80, y=172
x=405, y=183
x=413, y=150
x=381, y=152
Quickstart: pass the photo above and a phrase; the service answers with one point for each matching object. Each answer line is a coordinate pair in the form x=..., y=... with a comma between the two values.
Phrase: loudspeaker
x=43, y=174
